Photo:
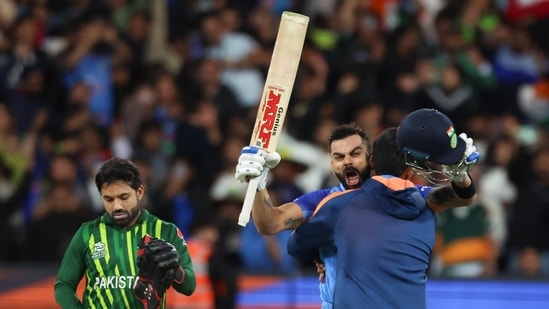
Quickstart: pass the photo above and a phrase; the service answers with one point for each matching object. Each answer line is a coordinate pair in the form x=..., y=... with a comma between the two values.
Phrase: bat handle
x=244, y=216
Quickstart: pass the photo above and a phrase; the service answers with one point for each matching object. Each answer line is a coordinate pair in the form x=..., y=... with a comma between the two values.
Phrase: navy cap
x=430, y=135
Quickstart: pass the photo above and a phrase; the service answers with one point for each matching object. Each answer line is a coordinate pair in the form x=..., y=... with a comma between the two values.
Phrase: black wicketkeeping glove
x=158, y=263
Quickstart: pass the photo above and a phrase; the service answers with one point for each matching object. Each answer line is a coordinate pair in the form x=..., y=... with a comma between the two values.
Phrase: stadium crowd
x=174, y=85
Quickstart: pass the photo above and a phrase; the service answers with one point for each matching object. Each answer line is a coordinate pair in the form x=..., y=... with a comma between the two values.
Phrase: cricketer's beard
x=131, y=215
x=364, y=174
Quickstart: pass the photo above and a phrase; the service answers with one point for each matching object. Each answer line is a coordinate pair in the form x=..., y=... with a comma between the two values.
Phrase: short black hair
x=387, y=158
x=118, y=169
x=349, y=129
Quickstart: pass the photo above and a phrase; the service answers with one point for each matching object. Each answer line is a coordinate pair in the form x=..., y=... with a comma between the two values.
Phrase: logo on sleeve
x=99, y=250
x=180, y=235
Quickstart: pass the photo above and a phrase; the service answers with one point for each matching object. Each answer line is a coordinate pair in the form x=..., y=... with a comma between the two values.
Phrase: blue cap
x=428, y=134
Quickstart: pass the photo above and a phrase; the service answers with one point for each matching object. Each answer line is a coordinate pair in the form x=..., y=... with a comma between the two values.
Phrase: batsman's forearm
x=446, y=197
x=265, y=214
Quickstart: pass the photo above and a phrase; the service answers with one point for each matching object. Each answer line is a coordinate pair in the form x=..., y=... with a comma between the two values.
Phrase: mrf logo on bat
x=272, y=119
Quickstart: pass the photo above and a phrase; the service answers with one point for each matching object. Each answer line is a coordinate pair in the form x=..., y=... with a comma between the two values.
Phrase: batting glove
x=470, y=158
x=255, y=162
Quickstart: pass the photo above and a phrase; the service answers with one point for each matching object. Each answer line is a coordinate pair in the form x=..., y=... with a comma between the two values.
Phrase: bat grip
x=244, y=216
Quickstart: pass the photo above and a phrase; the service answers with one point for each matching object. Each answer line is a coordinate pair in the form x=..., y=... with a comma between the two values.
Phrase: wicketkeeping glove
x=255, y=162
x=158, y=263
x=470, y=158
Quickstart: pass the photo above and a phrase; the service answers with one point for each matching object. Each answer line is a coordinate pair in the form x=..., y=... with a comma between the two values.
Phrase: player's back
x=384, y=239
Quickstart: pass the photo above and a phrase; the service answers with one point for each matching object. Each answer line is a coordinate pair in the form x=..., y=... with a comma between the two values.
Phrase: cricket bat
x=276, y=93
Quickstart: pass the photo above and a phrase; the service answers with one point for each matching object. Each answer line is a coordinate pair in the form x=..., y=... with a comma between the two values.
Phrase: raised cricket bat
x=276, y=93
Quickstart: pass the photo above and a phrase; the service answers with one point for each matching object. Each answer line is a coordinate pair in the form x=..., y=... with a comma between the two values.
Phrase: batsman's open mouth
x=352, y=177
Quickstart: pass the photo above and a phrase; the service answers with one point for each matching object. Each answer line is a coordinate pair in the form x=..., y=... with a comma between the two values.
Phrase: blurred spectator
x=225, y=264
x=452, y=95
x=397, y=82
x=148, y=146
x=465, y=246
x=203, y=161
x=12, y=225
x=478, y=18
x=56, y=218
x=137, y=108
x=528, y=229
x=308, y=102
x=159, y=49
x=356, y=60
x=93, y=149
x=8, y=13
x=93, y=46
x=122, y=12
x=16, y=168
x=533, y=100
x=61, y=206
x=520, y=11
x=234, y=50
x=202, y=83
x=22, y=55
x=315, y=155
x=496, y=190
x=466, y=33
x=369, y=116
x=18, y=163
x=518, y=60
x=143, y=163
x=29, y=101
x=200, y=243
x=65, y=170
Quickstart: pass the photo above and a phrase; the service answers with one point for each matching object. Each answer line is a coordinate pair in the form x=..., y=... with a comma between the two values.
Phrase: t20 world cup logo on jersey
x=99, y=250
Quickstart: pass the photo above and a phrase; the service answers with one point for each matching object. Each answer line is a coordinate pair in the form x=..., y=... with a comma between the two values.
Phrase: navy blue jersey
x=383, y=233
x=308, y=202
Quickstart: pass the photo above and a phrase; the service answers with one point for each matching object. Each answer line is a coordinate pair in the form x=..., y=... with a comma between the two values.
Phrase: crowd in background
x=174, y=85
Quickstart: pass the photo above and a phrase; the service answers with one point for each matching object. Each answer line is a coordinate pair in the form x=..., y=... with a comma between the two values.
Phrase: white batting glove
x=255, y=162
x=470, y=158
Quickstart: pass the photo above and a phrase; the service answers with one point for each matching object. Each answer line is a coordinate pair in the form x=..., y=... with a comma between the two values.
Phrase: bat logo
x=272, y=113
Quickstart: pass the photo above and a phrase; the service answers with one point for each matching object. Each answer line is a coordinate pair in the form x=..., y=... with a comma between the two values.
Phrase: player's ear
x=140, y=192
x=408, y=174
x=371, y=162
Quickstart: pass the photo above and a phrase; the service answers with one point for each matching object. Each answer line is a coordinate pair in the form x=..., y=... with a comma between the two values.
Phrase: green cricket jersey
x=106, y=255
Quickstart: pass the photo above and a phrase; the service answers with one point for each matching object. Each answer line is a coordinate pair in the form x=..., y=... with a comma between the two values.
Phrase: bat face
x=276, y=93
x=273, y=116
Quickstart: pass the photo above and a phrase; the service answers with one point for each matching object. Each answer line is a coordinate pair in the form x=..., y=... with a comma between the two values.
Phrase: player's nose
x=347, y=160
x=117, y=204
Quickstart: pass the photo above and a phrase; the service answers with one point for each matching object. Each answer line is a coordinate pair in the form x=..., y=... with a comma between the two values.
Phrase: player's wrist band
x=465, y=193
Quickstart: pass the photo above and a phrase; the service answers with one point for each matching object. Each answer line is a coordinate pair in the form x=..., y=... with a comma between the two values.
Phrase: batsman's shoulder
x=337, y=199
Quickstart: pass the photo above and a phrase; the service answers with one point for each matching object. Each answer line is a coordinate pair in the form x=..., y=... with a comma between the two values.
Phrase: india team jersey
x=106, y=255
x=308, y=204
x=383, y=232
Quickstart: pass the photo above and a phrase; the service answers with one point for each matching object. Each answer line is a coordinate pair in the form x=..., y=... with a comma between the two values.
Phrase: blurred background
x=174, y=85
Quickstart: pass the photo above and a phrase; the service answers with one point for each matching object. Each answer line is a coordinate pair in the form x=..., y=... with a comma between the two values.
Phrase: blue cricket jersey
x=383, y=233
x=308, y=204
